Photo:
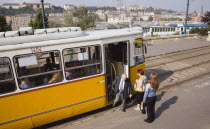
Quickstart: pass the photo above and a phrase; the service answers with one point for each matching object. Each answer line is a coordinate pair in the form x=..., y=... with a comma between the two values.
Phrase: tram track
x=177, y=68
x=167, y=55
x=168, y=72
x=177, y=65
x=157, y=62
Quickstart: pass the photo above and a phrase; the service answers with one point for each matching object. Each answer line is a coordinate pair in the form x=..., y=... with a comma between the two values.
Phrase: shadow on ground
x=160, y=95
x=75, y=118
x=166, y=105
x=162, y=74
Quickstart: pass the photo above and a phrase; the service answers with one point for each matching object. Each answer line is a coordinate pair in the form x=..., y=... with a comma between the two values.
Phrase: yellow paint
x=138, y=41
x=29, y=103
x=133, y=71
x=21, y=124
x=68, y=112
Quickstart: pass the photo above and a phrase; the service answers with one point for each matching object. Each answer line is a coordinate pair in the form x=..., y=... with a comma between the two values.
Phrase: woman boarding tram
x=51, y=94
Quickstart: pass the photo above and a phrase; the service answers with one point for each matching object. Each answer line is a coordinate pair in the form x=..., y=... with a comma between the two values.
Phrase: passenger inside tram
x=25, y=83
x=48, y=66
x=56, y=77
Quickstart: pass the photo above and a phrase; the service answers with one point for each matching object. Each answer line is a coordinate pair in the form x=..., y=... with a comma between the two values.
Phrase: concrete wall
x=209, y=36
x=169, y=38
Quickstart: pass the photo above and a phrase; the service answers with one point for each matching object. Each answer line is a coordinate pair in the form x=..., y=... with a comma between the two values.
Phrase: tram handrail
x=114, y=69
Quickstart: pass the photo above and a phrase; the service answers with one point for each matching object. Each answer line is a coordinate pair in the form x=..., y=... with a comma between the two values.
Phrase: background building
x=69, y=7
x=36, y=5
x=20, y=20
x=11, y=5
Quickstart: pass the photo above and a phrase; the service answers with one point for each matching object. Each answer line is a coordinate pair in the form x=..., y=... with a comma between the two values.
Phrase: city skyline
x=178, y=5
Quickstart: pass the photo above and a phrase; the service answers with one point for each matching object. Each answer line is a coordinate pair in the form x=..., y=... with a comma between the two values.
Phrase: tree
x=31, y=24
x=206, y=18
x=150, y=9
x=81, y=18
x=80, y=12
x=38, y=22
x=68, y=19
x=3, y=23
x=55, y=24
x=150, y=18
x=200, y=31
x=106, y=17
x=9, y=26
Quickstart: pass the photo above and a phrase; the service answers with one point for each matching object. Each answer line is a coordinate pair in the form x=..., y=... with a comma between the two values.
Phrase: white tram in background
x=170, y=30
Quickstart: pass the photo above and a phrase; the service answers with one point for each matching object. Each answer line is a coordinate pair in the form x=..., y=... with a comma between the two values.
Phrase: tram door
x=116, y=56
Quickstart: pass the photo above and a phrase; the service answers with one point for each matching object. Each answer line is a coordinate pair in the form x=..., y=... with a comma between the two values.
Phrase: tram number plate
x=36, y=49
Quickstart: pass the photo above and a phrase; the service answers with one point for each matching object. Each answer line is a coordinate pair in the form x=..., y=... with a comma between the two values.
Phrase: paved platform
x=177, y=108
x=173, y=46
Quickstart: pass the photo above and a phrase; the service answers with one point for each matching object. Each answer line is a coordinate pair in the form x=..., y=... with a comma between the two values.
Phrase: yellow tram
x=52, y=76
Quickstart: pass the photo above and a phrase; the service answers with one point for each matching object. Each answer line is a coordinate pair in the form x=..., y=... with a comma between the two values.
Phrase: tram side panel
x=52, y=103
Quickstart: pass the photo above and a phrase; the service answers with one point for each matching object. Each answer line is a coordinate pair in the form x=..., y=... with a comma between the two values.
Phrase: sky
x=179, y=5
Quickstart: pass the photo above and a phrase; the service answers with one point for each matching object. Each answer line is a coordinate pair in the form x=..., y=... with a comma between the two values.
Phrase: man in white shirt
x=123, y=89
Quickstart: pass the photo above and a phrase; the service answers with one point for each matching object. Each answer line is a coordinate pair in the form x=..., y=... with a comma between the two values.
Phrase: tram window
x=168, y=29
x=81, y=62
x=38, y=69
x=138, y=54
x=7, y=82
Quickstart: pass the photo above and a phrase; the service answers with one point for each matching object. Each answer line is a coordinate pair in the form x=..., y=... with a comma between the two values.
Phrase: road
x=181, y=107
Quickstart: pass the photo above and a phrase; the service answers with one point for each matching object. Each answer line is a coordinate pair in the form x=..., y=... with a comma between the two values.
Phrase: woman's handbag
x=143, y=111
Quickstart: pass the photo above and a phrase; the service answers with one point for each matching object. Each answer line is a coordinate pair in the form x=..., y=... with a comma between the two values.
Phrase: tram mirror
x=138, y=42
x=27, y=61
x=145, y=49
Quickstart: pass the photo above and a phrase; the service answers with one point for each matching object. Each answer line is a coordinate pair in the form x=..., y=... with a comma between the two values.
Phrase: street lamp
x=185, y=29
x=43, y=15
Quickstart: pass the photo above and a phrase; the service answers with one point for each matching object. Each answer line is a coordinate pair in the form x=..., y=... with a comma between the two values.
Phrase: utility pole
x=43, y=15
x=119, y=5
x=185, y=26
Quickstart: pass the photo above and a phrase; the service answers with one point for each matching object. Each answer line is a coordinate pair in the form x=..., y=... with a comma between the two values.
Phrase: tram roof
x=10, y=43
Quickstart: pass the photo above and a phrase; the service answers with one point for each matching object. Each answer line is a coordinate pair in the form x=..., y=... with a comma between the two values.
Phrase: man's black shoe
x=114, y=104
x=143, y=111
x=123, y=109
x=147, y=121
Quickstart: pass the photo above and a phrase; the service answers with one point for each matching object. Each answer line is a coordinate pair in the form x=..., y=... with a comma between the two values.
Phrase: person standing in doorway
x=139, y=88
x=150, y=97
x=122, y=88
